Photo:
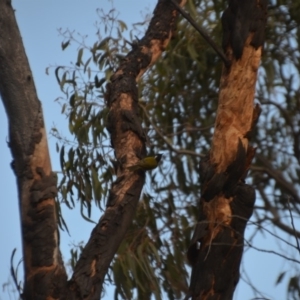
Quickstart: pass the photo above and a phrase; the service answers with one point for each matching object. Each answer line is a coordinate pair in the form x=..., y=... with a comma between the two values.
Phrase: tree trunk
x=45, y=275
x=226, y=202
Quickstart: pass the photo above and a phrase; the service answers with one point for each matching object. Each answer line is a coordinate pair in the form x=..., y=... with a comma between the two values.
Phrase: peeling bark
x=226, y=202
x=44, y=271
x=128, y=140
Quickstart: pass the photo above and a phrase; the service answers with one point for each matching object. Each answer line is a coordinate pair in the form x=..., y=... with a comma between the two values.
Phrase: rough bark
x=128, y=140
x=226, y=202
x=45, y=275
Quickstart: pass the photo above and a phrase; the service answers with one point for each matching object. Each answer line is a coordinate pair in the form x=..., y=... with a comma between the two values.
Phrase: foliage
x=178, y=102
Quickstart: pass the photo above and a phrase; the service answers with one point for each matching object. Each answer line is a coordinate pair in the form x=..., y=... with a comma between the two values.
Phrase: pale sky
x=39, y=22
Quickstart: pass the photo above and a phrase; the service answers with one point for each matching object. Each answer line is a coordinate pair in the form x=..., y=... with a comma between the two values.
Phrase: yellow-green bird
x=147, y=163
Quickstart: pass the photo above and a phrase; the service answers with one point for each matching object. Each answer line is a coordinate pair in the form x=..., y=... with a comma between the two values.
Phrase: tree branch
x=128, y=140
x=293, y=225
x=222, y=173
x=31, y=164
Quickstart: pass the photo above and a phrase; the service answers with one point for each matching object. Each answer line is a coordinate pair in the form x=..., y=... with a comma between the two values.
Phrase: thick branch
x=224, y=194
x=128, y=140
x=31, y=164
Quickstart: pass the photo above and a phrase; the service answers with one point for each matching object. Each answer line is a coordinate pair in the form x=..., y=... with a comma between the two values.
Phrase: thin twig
x=14, y=274
x=269, y=169
x=272, y=252
x=293, y=225
x=248, y=281
x=247, y=244
x=178, y=151
x=203, y=33
x=265, y=229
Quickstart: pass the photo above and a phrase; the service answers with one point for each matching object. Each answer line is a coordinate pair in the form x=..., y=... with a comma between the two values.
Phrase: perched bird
x=147, y=163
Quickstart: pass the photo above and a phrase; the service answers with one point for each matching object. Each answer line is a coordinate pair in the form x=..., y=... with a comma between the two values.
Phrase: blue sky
x=39, y=22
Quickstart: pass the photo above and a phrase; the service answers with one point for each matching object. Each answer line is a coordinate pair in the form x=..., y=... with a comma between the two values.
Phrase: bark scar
x=43, y=188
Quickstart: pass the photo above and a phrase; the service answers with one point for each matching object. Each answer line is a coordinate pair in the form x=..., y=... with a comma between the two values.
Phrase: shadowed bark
x=226, y=202
x=44, y=272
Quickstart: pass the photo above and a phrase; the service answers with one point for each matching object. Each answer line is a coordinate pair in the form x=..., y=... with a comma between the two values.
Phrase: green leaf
x=98, y=83
x=103, y=44
x=62, y=154
x=96, y=185
x=72, y=100
x=122, y=25
x=61, y=222
x=280, y=277
x=86, y=64
x=79, y=57
x=57, y=75
x=65, y=45
x=83, y=215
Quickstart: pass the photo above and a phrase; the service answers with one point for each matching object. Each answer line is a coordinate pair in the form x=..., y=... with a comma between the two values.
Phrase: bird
x=147, y=163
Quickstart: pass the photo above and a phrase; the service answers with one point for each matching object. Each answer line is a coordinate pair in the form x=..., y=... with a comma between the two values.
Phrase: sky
x=39, y=22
